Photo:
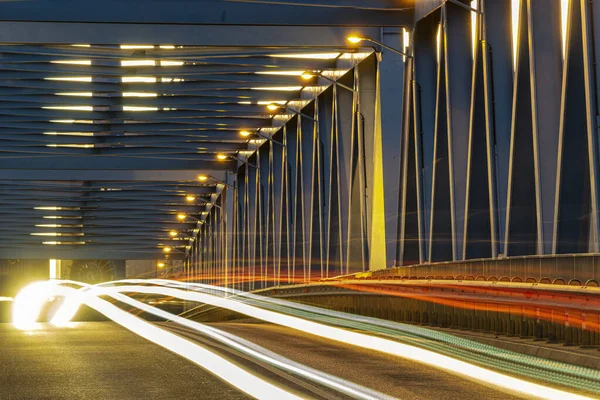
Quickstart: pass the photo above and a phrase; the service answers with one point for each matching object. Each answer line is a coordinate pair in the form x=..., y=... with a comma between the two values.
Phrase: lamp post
x=358, y=39
x=205, y=178
x=306, y=75
x=278, y=107
x=245, y=133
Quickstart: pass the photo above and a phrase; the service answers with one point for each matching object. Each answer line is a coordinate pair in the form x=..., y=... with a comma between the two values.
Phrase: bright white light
x=169, y=80
x=279, y=72
x=72, y=62
x=53, y=208
x=278, y=88
x=71, y=78
x=171, y=63
x=133, y=108
x=137, y=63
x=136, y=46
x=6, y=299
x=438, y=42
x=365, y=341
x=516, y=15
x=80, y=45
x=474, y=18
x=30, y=300
x=167, y=47
x=69, y=108
x=72, y=121
x=73, y=145
x=255, y=351
x=59, y=243
x=139, y=94
x=315, y=56
x=564, y=18
x=53, y=269
x=69, y=133
x=406, y=39
x=138, y=79
x=266, y=103
x=76, y=94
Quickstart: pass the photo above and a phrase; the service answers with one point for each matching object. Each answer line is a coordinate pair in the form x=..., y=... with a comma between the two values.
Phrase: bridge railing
x=576, y=268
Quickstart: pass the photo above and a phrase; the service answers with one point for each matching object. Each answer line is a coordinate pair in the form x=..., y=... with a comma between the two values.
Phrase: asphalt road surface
x=100, y=360
x=391, y=375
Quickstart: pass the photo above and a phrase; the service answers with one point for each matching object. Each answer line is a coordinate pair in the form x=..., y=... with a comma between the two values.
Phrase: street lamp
x=190, y=198
x=354, y=39
x=259, y=134
x=182, y=217
x=283, y=107
x=173, y=233
x=306, y=75
x=234, y=157
x=204, y=178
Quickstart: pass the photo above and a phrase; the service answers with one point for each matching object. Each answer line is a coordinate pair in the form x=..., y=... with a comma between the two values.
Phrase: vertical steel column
x=391, y=99
x=424, y=110
x=575, y=228
x=372, y=163
x=323, y=146
x=451, y=139
x=534, y=143
x=335, y=223
x=308, y=127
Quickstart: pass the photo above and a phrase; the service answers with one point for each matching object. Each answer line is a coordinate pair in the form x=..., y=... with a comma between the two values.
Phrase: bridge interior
x=339, y=170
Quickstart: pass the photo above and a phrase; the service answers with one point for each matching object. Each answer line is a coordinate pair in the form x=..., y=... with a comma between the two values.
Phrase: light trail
x=553, y=372
x=31, y=299
x=341, y=385
x=366, y=341
x=353, y=338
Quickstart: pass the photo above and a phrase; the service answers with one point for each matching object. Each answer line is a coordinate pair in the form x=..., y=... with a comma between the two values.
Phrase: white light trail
x=72, y=302
x=30, y=300
x=368, y=342
x=330, y=332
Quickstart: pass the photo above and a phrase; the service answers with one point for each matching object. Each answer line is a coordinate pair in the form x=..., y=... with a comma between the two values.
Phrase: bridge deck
x=101, y=360
x=98, y=360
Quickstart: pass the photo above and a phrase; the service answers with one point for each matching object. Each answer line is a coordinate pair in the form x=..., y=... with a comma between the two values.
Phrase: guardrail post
x=568, y=331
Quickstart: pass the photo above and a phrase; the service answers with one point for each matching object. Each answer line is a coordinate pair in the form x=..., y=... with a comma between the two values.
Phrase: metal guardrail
x=557, y=313
x=578, y=267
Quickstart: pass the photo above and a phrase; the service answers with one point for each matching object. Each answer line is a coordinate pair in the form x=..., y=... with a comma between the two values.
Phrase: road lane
x=98, y=360
x=391, y=375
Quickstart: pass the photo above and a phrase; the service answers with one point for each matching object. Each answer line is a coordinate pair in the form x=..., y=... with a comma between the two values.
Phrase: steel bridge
x=290, y=141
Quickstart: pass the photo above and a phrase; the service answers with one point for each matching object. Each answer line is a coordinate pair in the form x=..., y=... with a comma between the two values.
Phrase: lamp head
x=202, y=178
x=273, y=107
x=222, y=157
x=306, y=75
x=355, y=39
x=245, y=133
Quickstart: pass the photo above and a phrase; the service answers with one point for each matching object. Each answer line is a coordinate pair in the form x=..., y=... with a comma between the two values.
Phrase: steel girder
x=110, y=140
x=518, y=175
